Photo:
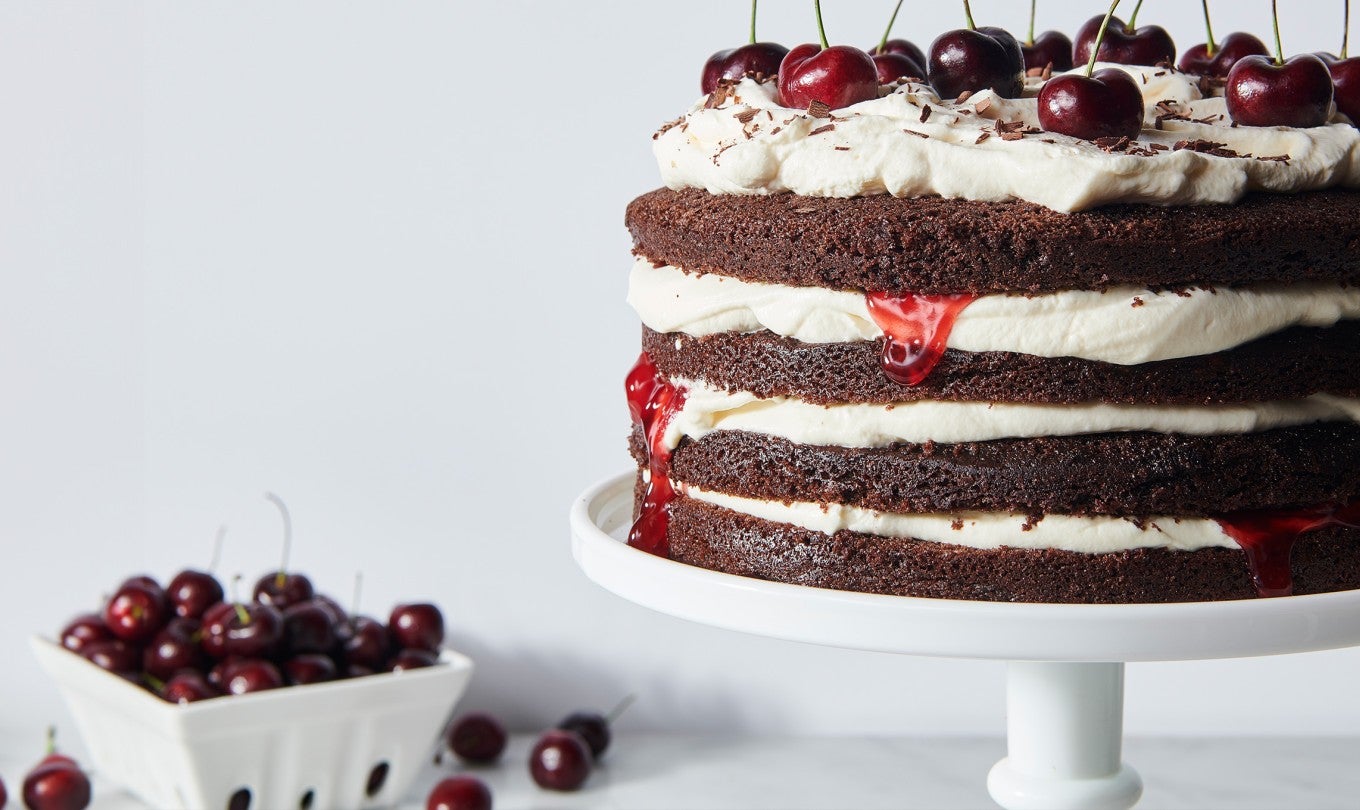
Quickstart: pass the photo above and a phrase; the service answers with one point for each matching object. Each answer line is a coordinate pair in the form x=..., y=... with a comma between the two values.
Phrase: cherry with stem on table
x=1096, y=104
x=1297, y=92
x=835, y=75
x=759, y=59
x=973, y=59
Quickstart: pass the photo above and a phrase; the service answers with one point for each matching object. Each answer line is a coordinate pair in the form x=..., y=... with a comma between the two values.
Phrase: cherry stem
x=968, y=15
x=1095, y=48
x=152, y=681
x=618, y=710
x=883, y=43
x=51, y=740
x=1210, y=46
x=753, y=21
x=1346, y=31
x=217, y=547
x=287, y=535
x=821, y=29
x=1033, y=4
x=1275, y=19
x=1133, y=18
x=242, y=614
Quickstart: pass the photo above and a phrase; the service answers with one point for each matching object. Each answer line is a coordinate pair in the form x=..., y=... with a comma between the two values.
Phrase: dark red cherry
x=417, y=626
x=902, y=47
x=412, y=659
x=477, y=738
x=173, y=649
x=1108, y=104
x=4, y=795
x=84, y=630
x=1346, y=80
x=972, y=60
x=560, y=760
x=246, y=675
x=56, y=786
x=838, y=77
x=760, y=59
x=250, y=630
x=188, y=687
x=1049, y=48
x=894, y=66
x=1298, y=93
x=593, y=728
x=1146, y=45
x=369, y=645
x=309, y=668
x=193, y=592
x=1229, y=52
x=116, y=656
x=282, y=590
x=147, y=582
x=459, y=793
x=136, y=612
x=308, y=628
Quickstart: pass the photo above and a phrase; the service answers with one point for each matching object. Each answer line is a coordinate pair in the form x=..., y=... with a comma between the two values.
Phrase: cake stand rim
x=950, y=628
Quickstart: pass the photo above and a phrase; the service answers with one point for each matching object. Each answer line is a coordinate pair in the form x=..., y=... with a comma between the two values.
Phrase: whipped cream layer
x=708, y=409
x=1125, y=325
x=983, y=530
x=910, y=143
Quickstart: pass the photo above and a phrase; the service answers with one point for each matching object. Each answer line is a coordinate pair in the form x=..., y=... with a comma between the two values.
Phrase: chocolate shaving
x=1113, y=143
x=1206, y=147
x=981, y=106
x=819, y=109
x=925, y=113
x=1275, y=158
x=746, y=115
x=964, y=96
x=821, y=129
x=720, y=94
x=842, y=148
x=984, y=136
x=917, y=134
x=667, y=127
x=1137, y=302
x=1011, y=136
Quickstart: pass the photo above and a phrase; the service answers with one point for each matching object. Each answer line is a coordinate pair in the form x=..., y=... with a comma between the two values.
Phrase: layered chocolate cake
x=921, y=346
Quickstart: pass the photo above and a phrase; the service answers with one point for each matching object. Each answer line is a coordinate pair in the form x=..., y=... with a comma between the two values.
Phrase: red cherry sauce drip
x=916, y=329
x=1268, y=537
x=653, y=402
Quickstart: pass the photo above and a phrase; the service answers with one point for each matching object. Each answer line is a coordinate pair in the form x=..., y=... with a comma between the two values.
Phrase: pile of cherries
x=1260, y=90
x=561, y=759
x=185, y=642
x=57, y=782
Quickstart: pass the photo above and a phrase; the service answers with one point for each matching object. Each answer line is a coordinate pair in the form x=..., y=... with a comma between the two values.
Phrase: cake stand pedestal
x=1065, y=682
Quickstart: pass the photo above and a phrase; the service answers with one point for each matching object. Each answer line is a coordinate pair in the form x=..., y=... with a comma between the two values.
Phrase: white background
x=371, y=256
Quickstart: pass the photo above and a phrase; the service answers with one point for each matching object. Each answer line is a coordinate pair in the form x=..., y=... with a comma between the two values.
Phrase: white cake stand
x=1065, y=682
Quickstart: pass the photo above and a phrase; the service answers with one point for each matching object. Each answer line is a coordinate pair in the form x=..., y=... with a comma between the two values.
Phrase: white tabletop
x=690, y=772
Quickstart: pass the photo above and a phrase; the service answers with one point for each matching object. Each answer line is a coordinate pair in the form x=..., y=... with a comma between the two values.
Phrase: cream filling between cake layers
x=982, y=530
x=1125, y=326
x=910, y=143
x=707, y=409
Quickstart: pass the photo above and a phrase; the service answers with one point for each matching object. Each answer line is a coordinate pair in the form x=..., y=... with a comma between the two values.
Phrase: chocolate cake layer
x=934, y=245
x=1137, y=474
x=1292, y=364
x=722, y=540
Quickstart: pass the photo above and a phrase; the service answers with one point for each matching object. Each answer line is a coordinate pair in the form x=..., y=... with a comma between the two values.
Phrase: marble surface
x=687, y=772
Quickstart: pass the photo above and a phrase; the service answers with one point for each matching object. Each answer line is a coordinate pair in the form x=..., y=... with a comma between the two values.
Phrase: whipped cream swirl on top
x=910, y=143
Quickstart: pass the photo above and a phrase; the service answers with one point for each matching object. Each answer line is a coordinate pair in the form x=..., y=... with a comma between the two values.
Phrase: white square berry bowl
x=357, y=743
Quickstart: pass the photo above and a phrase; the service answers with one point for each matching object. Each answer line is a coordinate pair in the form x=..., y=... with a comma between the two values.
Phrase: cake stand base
x=1065, y=683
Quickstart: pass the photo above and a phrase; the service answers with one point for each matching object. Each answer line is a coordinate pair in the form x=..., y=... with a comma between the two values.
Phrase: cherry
x=412, y=659
x=56, y=783
x=1345, y=71
x=4, y=795
x=459, y=793
x=1206, y=59
x=188, y=687
x=173, y=649
x=193, y=592
x=560, y=760
x=281, y=588
x=369, y=645
x=309, y=628
x=309, y=668
x=250, y=630
x=593, y=728
x=973, y=59
x=758, y=59
x=136, y=612
x=1051, y=49
x=836, y=76
x=897, y=58
x=477, y=738
x=116, y=656
x=83, y=631
x=1123, y=43
x=418, y=626
x=1277, y=93
x=246, y=675
x=1101, y=104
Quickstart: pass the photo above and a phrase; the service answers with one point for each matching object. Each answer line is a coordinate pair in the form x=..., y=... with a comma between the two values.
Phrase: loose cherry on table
x=56, y=783
x=1123, y=43
x=459, y=793
x=1100, y=104
x=835, y=75
x=477, y=738
x=1051, y=49
x=417, y=626
x=752, y=59
x=1297, y=92
x=897, y=58
x=560, y=760
x=595, y=728
x=973, y=59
